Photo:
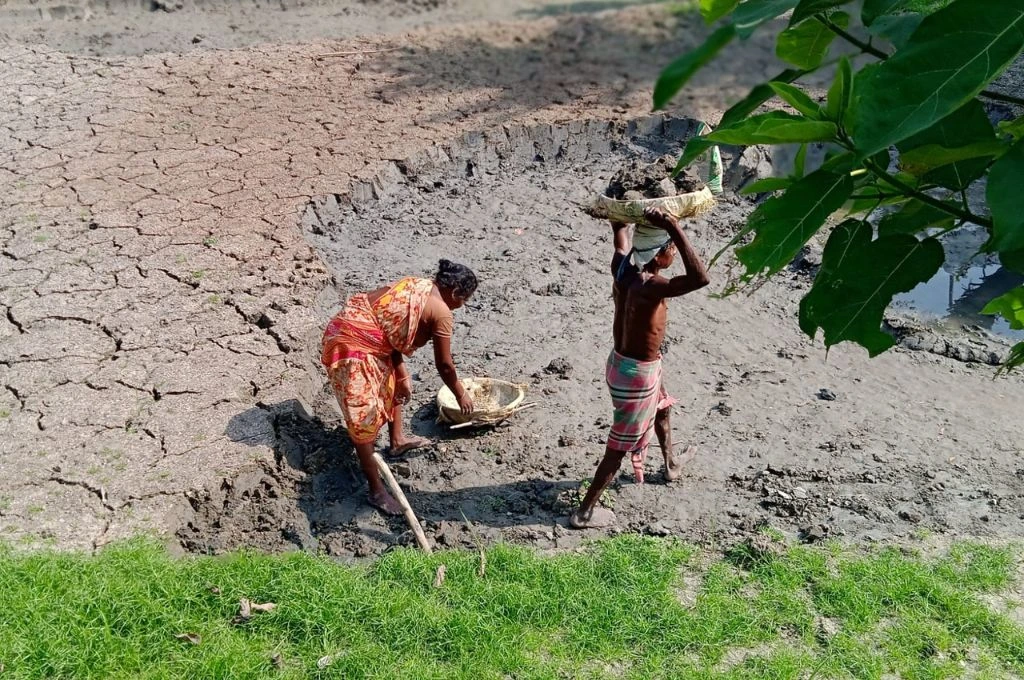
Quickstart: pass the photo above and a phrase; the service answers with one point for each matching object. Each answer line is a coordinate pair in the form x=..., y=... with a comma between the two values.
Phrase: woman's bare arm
x=445, y=365
x=398, y=361
x=446, y=369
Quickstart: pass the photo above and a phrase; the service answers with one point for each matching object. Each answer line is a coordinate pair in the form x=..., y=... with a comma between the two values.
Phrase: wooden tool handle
x=396, y=491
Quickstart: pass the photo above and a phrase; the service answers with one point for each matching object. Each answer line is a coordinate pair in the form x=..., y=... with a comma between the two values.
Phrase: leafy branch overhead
x=907, y=136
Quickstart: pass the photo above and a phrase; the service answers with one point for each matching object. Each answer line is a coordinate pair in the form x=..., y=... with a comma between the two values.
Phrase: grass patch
x=613, y=611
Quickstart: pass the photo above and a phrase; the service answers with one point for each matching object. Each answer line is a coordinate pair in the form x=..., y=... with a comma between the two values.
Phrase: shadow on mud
x=528, y=71
x=583, y=7
x=311, y=496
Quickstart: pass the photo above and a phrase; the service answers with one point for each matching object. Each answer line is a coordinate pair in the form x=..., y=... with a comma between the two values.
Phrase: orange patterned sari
x=357, y=347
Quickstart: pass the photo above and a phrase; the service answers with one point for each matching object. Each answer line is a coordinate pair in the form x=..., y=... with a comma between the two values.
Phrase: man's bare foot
x=595, y=519
x=674, y=464
x=386, y=503
x=407, y=445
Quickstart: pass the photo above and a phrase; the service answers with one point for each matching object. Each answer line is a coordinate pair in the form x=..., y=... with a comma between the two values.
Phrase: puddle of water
x=956, y=296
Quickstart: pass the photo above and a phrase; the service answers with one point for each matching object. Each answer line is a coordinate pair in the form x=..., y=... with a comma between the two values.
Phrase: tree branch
x=864, y=47
x=1000, y=97
x=868, y=48
x=925, y=198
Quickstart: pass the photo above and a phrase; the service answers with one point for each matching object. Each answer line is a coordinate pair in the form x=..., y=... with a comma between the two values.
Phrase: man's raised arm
x=621, y=240
x=696, y=275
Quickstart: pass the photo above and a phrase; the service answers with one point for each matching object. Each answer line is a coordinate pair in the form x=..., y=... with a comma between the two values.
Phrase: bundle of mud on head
x=638, y=186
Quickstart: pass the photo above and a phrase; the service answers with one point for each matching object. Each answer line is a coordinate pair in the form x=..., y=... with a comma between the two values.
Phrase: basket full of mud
x=493, y=401
x=638, y=186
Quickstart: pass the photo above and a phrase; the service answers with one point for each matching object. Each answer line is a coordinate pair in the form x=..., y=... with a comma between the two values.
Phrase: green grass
x=613, y=611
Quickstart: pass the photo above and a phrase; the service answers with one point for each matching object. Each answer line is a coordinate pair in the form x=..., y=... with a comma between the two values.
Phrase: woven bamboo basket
x=632, y=212
x=493, y=401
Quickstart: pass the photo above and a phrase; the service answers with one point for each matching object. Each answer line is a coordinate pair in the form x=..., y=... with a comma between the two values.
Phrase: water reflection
x=956, y=296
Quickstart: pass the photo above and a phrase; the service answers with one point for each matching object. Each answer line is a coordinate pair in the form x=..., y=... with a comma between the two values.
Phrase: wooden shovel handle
x=396, y=491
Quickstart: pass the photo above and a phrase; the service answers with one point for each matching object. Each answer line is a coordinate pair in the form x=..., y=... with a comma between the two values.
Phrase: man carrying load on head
x=634, y=372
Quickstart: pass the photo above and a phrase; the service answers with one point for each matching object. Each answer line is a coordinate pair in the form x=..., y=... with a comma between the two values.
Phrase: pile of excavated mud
x=638, y=179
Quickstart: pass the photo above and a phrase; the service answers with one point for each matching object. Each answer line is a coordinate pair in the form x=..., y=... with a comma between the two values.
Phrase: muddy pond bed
x=818, y=448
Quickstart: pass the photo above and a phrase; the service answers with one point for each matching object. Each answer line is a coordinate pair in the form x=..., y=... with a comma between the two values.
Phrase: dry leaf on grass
x=192, y=638
x=213, y=589
x=324, y=661
x=244, y=611
x=277, y=660
x=246, y=608
x=439, y=577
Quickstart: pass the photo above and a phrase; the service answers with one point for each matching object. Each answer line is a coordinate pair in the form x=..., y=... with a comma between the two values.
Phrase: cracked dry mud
x=177, y=227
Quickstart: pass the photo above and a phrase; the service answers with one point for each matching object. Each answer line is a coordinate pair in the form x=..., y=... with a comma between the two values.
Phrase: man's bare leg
x=663, y=430
x=400, y=443
x=379, y=496
x=589, y=515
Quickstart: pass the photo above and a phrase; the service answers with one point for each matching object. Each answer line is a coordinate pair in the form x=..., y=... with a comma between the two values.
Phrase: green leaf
x=1012, y=260
x=860, y=205
x=713, y=10
x=1010, y=306
x=878, y=186
x=949, y=59
x=808, y=8
x=840, y=93
x=913, y=218
x=695, y=146
x=775, y=127
x=841, y=162
x=765, y=185
x=1005, y=199
x=798, y=99
x=805, y=45
x=896, y=28
x=682, y=69
x=800, y=161
x=1014, y=360
x=1012, y=128
x=964, y=137
x=757, y=96
x=924, y=158
x=873, y=9
x=857, y=280
x=752, y=13
x=783, y=224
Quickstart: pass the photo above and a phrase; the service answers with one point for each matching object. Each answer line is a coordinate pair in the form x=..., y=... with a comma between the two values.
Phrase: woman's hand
x=403, y=390
x=465, y=402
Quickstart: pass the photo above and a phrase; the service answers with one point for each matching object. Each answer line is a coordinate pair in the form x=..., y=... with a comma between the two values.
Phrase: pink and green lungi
x=637, y=396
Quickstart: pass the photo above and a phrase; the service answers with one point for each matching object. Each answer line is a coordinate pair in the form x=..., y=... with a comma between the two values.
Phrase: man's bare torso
x=640, y=319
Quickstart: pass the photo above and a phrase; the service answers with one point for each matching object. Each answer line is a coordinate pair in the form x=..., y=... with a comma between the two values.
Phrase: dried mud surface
x=161, y=299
